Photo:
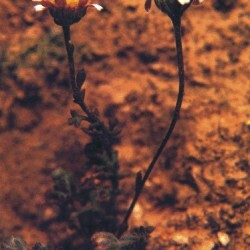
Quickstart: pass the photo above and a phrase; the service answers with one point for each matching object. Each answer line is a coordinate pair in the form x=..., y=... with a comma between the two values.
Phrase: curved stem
x=177, y=30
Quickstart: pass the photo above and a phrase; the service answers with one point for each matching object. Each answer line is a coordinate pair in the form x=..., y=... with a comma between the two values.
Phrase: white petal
x=183, y=2
x=97, y=6
x=39, y=7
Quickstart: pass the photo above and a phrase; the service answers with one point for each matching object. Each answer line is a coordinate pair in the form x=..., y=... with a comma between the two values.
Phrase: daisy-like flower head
x=65, y=12
x=172, y=7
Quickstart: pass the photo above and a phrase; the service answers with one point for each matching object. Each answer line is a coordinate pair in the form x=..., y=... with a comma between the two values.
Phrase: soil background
x=198, y=196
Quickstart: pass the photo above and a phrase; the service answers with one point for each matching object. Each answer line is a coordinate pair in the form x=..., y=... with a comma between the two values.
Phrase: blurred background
x=200, y=189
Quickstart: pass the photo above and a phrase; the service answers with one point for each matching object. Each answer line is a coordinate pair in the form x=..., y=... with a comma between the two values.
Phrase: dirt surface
x=199, y=195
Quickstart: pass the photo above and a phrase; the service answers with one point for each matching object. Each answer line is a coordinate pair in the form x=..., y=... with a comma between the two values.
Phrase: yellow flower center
x=72, y=2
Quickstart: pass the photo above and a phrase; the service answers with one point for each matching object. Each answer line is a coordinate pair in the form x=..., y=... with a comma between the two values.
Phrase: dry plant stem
x=177, y=30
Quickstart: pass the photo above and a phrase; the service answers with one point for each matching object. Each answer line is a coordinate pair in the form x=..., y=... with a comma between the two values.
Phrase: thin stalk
x=75, y=89
x=177, y=31
x=70, y=53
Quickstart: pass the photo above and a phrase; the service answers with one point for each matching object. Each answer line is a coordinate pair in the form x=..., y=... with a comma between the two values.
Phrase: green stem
x=177, y=30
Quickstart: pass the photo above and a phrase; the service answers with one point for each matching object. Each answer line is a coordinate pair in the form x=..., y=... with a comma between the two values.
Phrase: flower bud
x=66, y=12
x=173, y=8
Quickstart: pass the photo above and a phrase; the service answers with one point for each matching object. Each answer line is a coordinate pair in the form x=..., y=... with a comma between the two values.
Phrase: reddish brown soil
x=200, y=191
